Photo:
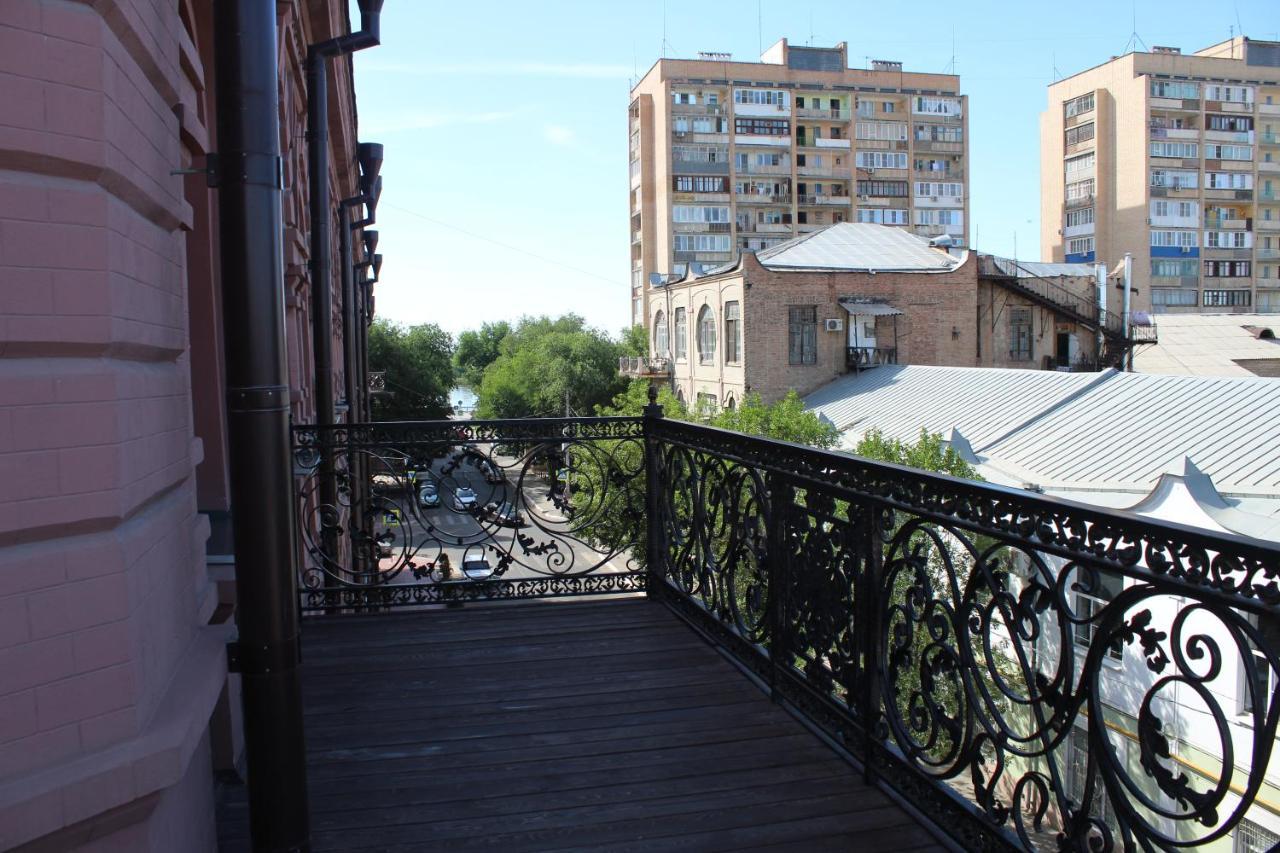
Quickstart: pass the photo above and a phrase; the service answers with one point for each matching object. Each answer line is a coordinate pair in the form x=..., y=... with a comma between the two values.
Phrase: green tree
x=785, y=420
x=930, y=453
x=477, y=349
x=634, y=341
x=418, y=361
x=546, y=365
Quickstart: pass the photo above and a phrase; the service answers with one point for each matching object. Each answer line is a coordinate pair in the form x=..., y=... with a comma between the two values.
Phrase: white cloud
x=504, y=69
x=558, y=134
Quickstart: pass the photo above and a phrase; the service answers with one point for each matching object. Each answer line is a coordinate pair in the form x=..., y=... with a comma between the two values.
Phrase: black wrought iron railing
x=449, y=511
x=1031, y=673
x=861, y=358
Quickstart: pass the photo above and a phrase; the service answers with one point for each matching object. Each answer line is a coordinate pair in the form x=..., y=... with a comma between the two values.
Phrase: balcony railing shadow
x=1029, y=672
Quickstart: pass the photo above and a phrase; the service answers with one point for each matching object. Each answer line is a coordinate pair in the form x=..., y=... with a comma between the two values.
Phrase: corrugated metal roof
x=869, y=309
x=858, y=246
x=1035, y=269
x=1208, y=344
x=1132, y=427
x=1077, y=430
x=983, y=403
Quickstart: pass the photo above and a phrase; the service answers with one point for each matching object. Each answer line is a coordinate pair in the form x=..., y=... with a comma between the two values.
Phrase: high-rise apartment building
x=1175, y=159
x=729, y=155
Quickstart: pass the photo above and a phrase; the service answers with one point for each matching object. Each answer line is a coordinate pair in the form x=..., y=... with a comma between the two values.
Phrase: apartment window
x=682, y=335
x=702, y=243
x=1106, y=586
x=732, y=332
x=1172, y=297
x=1077, y=106
x=701, y=184
x=938, y=133
x=891, y=189
x=706, y=404
x=943, y=166
x=1252, y=838
x=1079, y=164
x=1227, y=239
x=1234, y=94
x=1237, y=124
x=760, y=96
x=1079, y=133
x=706, y=335
x=770, y=217
x=1179, y=239
x=889, y=106
x=1187, y=210
x=1079, y=190
x=1174, y=180
x=936, y=106
x=931, y=189
x=1228, y=269
x=762, y=126
x=1174, y=89
x=939, y=216
x=802, y=336
x=1175, y=149
x=1228, y=181
x=1173, y=268
x=1020, y=330
x=700, y=153
x=1160, y=208
x=1079, y=245
x=1227, y=299
x=684, y=98
x=887, y=131
x=1227, y=152
x=881, y=160
x=882, y=215
x=693, y=213
x=1083, y=216
x=661, y=336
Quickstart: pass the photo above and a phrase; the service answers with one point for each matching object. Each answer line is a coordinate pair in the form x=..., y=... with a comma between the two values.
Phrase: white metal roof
x=1079, y=431
x=869, y=308
x=858, y=246
x=983, y=403
x=1208, y=344
x=1036, y=269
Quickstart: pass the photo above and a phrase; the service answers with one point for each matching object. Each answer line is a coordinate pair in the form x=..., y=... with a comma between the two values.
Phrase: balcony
x=753, y=169
x=831, y=143
x=698, y=109
x=822, y=113
x=1268, y=254
x=923, y=639
x=762, y=198
x=642, y=366
x=1271, y=167
x=1226, y=223
x=1268, y=137
x=822, y=199
x=938, y=147
x=1266, y=224
x=864, y=358
x=810, y=171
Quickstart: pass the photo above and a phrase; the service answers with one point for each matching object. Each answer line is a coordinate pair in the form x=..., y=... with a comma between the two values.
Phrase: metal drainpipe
x=251, y=255
x=320, y=262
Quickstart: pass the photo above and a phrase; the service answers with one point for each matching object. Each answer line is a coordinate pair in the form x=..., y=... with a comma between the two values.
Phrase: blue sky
x=506, y=132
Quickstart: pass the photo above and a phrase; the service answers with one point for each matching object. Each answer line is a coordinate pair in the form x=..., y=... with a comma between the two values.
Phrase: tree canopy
x=546, y=364
x=477, y=349
x=930, y=453
x=418, y=361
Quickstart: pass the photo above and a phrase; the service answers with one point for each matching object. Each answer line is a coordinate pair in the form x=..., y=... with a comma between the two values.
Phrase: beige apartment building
x=728, y=155
x=1175, y=159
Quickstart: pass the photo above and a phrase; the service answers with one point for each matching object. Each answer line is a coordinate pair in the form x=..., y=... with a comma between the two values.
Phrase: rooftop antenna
x=760, y=25
x=664, y=29
x=951, y=66
x=1134, y=38
x=1239, y=26
x=810, y=26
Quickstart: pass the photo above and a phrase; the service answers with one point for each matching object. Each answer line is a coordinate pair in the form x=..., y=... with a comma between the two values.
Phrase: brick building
x=851, y=297
x=115, y=703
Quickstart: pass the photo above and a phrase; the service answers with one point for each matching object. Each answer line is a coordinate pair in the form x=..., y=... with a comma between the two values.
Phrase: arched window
x=706, y=335
x=680, y=396
x=661, y=342
x=682, y=335
x=729, y=403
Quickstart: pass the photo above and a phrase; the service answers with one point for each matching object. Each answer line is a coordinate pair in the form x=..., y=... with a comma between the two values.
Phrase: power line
x=486, y=239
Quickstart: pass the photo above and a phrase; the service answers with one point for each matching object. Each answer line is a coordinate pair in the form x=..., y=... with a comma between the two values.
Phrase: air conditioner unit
x=835, y=324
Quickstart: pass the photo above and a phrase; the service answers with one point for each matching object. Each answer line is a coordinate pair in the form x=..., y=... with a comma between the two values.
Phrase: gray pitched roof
x=1079, y=430
x=857, y=246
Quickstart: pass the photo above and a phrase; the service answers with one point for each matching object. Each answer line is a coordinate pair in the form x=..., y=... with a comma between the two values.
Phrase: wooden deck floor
x=560, y=726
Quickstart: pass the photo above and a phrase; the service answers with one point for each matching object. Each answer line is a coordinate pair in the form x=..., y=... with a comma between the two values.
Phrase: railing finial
x=653, y=410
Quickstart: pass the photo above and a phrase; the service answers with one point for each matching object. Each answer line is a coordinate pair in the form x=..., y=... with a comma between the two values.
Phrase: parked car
x=428, y=495
x=491, y=472
x=504, y=514
x=477, y=568
x=464, y=498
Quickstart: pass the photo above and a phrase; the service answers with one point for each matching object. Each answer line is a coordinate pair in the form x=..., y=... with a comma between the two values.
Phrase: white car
x=464, y=499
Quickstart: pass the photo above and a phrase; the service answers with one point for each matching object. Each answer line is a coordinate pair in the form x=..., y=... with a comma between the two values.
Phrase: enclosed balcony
x=648, y=634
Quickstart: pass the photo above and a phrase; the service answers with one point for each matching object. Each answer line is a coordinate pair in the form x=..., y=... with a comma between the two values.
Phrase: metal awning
x=870, y=309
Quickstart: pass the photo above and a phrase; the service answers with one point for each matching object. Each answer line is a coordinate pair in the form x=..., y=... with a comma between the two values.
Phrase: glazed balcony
x=772, y=645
